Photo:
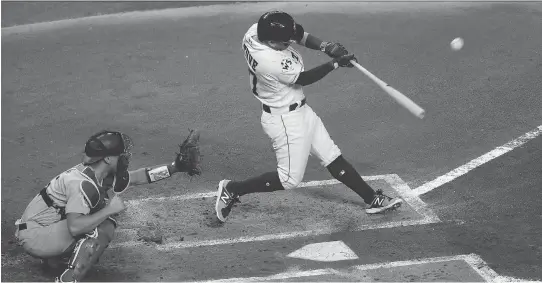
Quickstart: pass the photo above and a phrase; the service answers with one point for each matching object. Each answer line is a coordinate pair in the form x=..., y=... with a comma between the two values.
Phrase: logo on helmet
x=275, y=24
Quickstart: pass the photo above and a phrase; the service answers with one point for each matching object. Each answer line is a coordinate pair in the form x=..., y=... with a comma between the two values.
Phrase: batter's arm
x=315, y=74
x=332, y=49
x=312, y=42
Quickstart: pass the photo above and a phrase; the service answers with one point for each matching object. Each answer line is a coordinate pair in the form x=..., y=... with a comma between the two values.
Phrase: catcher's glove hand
x=188, y=158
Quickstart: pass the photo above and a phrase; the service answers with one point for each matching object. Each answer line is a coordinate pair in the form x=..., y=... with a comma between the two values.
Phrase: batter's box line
x=136, y=202
x=428, y=217
x=473, y=260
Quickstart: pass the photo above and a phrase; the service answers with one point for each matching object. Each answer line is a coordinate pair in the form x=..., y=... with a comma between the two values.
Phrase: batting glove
x=344, y=61
x=333, y=49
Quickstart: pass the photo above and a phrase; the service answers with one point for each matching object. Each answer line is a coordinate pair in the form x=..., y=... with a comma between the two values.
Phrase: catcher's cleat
x=224, y=201
x=382, y=203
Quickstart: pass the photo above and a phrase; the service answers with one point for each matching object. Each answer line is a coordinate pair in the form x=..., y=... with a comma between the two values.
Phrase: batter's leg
x=291, y=136
x=326, y=150
x=331, y=157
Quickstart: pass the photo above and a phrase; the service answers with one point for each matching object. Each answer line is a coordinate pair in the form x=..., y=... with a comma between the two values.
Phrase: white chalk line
x=136, y=202
x=269, y=237
x=414, y=201
x=473, y=260
x=394, y=181
x=463, y=169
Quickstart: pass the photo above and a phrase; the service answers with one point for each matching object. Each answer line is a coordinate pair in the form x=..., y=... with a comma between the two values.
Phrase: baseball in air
x=457, y=43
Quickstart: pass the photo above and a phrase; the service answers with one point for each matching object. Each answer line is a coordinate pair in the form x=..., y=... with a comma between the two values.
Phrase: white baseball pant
x=296, y=135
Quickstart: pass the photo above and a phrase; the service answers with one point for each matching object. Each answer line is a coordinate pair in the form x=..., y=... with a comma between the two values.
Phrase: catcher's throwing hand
x=188, y=158
x=344, y=61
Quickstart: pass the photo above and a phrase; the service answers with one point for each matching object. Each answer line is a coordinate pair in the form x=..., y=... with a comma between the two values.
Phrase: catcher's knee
x=106, y=229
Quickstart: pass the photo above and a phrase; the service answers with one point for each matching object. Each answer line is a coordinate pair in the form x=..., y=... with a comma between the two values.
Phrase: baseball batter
x=277, y=76
x=69, y=222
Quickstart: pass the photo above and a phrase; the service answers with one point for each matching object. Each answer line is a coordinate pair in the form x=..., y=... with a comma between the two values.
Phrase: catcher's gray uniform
x=42, y=230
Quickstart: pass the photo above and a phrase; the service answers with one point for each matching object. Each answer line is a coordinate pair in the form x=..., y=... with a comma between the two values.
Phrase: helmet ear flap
x=299, y=32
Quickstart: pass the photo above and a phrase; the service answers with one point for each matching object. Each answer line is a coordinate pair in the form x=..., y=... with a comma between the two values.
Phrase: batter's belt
x=293, y=107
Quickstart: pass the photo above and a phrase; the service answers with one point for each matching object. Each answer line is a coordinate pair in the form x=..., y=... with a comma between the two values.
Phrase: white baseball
x=457, y=43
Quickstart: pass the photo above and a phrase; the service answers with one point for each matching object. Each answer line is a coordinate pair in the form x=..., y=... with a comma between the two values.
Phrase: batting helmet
x=107, y=143
x=279, y=26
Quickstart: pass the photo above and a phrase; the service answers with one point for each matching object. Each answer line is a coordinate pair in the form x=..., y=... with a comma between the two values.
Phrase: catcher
x=70, y=223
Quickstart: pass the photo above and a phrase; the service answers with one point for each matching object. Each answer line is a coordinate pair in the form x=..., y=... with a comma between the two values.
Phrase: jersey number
x=254, y=81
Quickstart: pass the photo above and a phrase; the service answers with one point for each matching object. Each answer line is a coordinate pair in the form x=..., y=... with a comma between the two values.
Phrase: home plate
x=327, y=251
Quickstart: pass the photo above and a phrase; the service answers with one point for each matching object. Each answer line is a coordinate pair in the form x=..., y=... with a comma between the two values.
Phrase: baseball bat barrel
x=395, y=94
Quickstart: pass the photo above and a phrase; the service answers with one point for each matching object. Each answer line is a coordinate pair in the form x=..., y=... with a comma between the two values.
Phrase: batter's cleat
x=224, y=201
x=382, y=203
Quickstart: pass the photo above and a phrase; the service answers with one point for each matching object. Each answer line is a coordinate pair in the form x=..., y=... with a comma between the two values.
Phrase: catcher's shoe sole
x=220, y=205
x=394, y=204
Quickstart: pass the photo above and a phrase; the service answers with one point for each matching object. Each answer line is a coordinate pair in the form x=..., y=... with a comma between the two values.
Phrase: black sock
x=267, y=182
x=343, y=171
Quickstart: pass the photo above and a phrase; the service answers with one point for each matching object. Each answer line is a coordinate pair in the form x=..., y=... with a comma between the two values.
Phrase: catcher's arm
x=187, y=160
x=141, y=176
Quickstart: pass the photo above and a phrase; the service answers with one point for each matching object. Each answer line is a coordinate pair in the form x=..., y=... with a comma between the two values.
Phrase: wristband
x=323, y=46
x=157, y=174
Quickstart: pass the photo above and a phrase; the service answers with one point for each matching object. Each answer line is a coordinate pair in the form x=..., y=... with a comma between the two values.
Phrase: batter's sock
x=343, y=171
x=267, y=182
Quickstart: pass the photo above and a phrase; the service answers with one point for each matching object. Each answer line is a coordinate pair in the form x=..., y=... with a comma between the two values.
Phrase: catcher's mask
x=108, y=143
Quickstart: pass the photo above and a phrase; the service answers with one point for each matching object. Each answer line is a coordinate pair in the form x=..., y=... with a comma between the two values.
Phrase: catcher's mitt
x=188, y=158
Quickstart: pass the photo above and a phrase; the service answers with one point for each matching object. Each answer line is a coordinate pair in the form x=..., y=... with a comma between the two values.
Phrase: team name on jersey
x=250, y=60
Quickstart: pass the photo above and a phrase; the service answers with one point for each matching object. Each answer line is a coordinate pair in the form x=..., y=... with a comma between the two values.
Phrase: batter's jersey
x=76, y=190
x=273, y=73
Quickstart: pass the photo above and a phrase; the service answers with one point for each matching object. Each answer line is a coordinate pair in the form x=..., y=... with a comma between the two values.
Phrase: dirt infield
x=22, y=12
x=154, y=75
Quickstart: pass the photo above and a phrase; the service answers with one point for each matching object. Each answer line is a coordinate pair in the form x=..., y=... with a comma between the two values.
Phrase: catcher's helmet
x=278, y=26
x=107, y=143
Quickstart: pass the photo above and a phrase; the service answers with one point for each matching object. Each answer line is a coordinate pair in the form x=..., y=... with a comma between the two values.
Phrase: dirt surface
x=26, y=12
x=154, y=80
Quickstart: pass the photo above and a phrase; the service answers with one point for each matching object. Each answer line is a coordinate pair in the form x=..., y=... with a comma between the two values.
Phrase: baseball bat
x=395, y=94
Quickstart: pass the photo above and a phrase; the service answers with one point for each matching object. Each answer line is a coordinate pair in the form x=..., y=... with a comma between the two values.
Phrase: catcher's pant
x=46, y=241
x=296, y=135
x=54, y=240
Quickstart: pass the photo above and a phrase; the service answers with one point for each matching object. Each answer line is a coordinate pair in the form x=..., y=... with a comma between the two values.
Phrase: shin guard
x=85, y=254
